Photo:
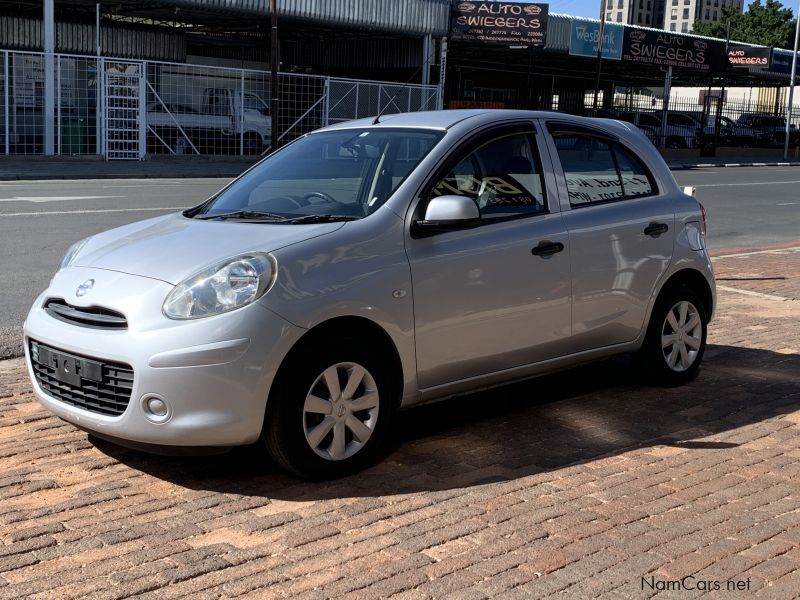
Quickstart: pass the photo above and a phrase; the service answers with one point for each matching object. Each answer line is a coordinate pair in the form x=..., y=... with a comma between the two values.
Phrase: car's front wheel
x=330, y=412
x=676, y=338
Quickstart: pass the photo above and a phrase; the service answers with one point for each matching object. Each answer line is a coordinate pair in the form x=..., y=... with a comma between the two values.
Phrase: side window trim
x=554, y=127
x=473, y=143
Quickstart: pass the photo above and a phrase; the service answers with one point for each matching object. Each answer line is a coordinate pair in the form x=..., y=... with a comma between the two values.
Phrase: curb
x=685, y=166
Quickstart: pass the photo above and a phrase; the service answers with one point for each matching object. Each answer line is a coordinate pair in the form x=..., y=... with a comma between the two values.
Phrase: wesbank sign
x=584, y=36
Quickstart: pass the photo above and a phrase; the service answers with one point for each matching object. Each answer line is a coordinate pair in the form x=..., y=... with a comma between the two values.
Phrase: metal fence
x=708, y=120
x=126, y=109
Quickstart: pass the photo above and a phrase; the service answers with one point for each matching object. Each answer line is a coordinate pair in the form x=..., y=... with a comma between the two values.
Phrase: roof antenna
x=377, y=118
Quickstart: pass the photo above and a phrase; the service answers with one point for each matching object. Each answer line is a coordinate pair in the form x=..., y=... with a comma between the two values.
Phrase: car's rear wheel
x=676, y=338
x=330, y=411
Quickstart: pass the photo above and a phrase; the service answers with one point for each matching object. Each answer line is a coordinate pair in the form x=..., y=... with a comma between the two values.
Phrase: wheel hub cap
x=340, y=411
x=681, y=336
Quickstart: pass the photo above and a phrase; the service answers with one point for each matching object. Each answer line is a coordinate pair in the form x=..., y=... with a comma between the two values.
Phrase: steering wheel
x=325, y=197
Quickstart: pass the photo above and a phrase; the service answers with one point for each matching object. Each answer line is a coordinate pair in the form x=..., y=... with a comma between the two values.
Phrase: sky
x=586, y=8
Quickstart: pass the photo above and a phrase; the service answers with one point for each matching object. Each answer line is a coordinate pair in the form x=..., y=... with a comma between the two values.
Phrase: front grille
x=106, y=392
x=85, y=316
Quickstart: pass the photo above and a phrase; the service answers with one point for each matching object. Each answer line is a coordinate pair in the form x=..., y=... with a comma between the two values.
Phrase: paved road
x=39, y=220
x=748, y=206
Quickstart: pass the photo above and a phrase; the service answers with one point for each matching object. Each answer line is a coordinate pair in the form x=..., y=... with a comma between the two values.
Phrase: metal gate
x=124, y=111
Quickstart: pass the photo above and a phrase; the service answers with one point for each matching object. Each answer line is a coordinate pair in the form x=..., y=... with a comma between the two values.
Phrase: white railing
x=181, y=108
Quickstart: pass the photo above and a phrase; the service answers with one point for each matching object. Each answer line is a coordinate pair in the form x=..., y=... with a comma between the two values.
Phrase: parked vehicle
x=227, y=119
x=370, y=266
x=757, y=129
x=682, y=130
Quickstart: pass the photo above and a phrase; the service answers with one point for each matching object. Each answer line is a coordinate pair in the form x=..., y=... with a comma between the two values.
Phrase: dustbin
x=72, y=135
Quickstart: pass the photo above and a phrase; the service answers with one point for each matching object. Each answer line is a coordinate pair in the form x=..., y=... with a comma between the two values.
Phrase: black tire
x=286, y=421
x=654, y=357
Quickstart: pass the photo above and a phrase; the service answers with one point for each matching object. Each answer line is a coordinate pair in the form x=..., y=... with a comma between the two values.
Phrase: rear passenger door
x=621, y=231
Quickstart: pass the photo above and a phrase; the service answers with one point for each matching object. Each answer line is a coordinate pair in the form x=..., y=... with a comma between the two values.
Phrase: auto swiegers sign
x=508, y=23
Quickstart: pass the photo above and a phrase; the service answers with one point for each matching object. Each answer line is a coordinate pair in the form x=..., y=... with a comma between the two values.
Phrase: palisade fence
x=693, y=122
x=126, y=109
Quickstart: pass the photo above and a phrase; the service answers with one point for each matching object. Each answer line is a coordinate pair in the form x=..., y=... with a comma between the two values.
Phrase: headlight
x=72, y=254
x=226, y=286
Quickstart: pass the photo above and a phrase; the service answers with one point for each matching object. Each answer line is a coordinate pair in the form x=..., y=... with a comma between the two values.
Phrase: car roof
x=445, y=119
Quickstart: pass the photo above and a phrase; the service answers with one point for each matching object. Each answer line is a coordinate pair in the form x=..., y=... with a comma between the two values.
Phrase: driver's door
x=484, y=301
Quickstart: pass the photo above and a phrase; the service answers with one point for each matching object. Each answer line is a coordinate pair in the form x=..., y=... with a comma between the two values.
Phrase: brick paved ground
x=582, y=483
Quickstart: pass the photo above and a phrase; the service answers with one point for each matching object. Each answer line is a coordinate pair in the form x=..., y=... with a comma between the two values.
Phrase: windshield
x=339, y=175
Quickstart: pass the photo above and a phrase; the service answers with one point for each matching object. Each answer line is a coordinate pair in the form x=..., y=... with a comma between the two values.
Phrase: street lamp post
x=791, y=86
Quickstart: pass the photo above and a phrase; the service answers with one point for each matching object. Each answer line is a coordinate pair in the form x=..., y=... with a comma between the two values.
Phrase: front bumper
x=213, y=374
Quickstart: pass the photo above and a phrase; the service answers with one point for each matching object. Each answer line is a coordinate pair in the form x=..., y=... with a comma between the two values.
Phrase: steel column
x=49, y=43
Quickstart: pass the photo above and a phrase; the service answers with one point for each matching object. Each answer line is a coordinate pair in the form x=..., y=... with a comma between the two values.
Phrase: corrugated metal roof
x=123, y=41
x=417, y=17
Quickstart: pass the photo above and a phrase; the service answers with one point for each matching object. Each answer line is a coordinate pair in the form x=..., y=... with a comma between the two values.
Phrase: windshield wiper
x=253, y=215
x=320, y=219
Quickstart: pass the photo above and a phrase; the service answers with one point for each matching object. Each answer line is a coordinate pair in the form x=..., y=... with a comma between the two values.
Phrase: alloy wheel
x=341, y=411
x=681, y=336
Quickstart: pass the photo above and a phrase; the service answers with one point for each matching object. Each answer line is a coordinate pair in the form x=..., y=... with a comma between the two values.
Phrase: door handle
x=656, y=229
x=545, y=248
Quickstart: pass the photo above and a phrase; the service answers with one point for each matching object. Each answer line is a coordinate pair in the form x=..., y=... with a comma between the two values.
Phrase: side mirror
x=444, y=213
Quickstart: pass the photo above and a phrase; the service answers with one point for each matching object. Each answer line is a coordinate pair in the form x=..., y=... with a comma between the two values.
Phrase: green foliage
x=767, y=24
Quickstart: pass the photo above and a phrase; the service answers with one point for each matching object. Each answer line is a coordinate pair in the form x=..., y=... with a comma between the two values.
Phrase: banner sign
x=508, y=23
x=748, y=56
x=781, y=62
x=585, y=34
x=670, y=50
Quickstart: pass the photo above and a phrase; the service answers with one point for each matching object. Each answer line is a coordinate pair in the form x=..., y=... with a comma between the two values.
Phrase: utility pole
x=274, y=65
x=791, y=86
x=599, y=55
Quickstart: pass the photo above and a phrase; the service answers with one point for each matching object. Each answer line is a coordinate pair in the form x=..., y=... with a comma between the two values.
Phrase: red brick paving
x=582, y=484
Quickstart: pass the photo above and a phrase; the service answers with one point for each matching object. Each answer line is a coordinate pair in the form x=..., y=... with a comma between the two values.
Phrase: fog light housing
x=155, y=408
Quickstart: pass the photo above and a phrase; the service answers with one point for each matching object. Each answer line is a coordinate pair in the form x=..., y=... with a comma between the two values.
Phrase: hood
x=173, y=247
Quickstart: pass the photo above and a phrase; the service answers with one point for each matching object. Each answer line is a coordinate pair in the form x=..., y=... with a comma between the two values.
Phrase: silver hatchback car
x=370, y=266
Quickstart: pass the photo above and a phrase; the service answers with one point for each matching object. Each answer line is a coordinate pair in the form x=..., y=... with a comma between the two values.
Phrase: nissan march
x=370, y=266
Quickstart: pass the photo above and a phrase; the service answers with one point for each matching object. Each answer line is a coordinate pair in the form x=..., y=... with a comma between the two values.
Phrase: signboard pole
x=665, y=107
x=791, y=90
x=442, y=73
x=599, y=56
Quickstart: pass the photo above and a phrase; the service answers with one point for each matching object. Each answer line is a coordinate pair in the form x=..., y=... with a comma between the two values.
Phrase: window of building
x=620, y=3
x=715, y=15
x=685, y=13
x=674, y=14
x=639, y=18
x=684, y=27
x=672, y=26
x=708, y=14
x=619, y=17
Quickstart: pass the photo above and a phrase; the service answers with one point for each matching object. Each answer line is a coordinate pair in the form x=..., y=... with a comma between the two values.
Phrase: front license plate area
x=70, y=369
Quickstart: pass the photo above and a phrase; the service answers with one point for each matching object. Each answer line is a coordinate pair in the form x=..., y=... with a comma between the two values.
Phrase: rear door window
x=598, y=171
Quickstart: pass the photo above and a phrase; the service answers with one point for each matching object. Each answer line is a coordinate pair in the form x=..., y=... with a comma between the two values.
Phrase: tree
x=769, y=24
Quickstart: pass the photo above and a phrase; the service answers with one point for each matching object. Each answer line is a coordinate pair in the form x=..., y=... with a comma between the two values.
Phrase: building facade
x=671, y=15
